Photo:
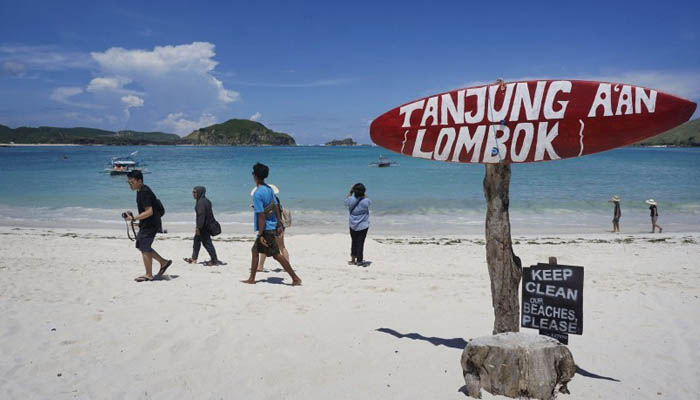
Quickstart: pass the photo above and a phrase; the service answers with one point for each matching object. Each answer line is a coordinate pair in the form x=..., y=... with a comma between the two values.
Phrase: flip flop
x=164, y=268
x=188, y=260
x=143, y=278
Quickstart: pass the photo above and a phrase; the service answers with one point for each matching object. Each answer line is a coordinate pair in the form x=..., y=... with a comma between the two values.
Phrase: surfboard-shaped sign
x=528, y=121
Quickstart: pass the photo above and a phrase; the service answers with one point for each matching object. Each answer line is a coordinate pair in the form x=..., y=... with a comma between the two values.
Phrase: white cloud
x=177, y=77
x=64, y=94
x=132, y=101
x=176, y=122
x=186, y=68
x=113, y=83
x=61, y=94
x=255, y=117
x=172, y=77
x=226, y=96
x=196, y=57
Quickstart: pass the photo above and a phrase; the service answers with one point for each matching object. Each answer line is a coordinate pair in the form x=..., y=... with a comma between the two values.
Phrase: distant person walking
x=358, y=204
x=617, y=213
x=654, y=216
x=280, y=236
x=206, y=226
x=267, y=223
x=150, y=210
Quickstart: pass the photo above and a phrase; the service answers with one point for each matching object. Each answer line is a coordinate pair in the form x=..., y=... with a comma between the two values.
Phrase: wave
x=682, y=217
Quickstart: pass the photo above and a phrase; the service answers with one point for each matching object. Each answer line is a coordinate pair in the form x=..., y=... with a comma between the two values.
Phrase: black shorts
x=144, y=240
x=271, y=249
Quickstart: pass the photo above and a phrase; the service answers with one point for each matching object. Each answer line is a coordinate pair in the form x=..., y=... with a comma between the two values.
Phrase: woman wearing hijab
x=654, y=215
x=202, y=236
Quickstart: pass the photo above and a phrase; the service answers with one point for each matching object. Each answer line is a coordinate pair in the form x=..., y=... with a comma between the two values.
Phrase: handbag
x=214, y=228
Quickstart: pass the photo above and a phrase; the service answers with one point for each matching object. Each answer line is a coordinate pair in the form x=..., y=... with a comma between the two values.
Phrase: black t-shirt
x=617, y=213
x=654, y=212
x=144, y=199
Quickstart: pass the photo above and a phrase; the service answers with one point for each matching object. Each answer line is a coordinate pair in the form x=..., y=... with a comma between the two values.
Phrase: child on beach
x=267, y=223
x=358, y=204
x=617, y=213
x=654, y=216
x=204, y=221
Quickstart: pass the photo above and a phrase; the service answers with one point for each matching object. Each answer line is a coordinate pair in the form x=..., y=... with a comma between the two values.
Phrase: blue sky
x=317, y=70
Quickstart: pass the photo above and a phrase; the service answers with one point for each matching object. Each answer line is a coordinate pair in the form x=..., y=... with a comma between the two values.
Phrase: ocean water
x=64, y=186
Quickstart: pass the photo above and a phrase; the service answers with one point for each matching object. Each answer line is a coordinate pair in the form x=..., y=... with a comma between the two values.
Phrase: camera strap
x=132, y=229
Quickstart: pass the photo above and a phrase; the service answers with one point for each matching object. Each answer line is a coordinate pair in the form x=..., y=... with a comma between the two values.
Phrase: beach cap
x=615, y=198
x=651, y=202
x=275, y=189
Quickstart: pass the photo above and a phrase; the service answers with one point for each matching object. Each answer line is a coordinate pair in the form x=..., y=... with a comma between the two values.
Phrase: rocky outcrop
x=342, y=142
x=238, y=132
x=517, y=365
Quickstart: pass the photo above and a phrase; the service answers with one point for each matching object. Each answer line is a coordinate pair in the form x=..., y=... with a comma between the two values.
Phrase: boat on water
x=383, y=162
x=124, y=165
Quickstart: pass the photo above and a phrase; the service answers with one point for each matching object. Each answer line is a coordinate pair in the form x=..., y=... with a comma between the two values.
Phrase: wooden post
x=505, y=269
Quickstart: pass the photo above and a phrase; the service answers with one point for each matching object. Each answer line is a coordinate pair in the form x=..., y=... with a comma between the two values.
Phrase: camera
x=127, y=214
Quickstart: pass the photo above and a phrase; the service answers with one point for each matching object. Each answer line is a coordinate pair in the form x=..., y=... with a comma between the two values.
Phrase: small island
x=342, y=142
x=238, y=132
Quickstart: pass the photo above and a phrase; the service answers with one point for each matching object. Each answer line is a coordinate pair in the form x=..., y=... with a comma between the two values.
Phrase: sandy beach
x=76, y=325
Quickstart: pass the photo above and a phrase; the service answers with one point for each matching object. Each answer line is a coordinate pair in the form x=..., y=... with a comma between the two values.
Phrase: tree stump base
x=517, y=365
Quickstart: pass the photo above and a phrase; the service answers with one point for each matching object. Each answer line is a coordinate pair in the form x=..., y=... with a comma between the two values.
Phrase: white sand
x=203, y=335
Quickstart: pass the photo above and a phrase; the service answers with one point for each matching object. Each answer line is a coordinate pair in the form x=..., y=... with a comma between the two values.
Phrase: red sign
x=528, y=121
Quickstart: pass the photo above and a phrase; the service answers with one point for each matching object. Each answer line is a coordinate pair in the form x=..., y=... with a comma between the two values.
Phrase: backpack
x=286, y=217
x=158, y=208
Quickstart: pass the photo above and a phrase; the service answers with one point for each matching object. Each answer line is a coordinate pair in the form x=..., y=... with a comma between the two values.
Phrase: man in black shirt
x=149, y=225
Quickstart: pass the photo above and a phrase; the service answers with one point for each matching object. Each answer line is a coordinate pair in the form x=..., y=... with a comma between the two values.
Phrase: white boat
x=383, y=162
x=124, y=165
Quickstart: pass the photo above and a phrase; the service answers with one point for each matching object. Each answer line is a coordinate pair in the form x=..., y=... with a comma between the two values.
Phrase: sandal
x=144, y=278
x=189, y=260
x=164, y=268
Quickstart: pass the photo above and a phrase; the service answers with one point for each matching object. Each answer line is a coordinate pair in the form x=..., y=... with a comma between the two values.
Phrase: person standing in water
x=654, y=213
x=267, y=223
x=617, y=213
x=202, y=236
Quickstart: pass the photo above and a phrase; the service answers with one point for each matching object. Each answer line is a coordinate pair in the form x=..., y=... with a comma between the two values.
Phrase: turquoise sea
x=63, y=186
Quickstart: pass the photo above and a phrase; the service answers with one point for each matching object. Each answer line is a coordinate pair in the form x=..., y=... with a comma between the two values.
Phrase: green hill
x=53, y=135
x=238, y=132
x=687, y=134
